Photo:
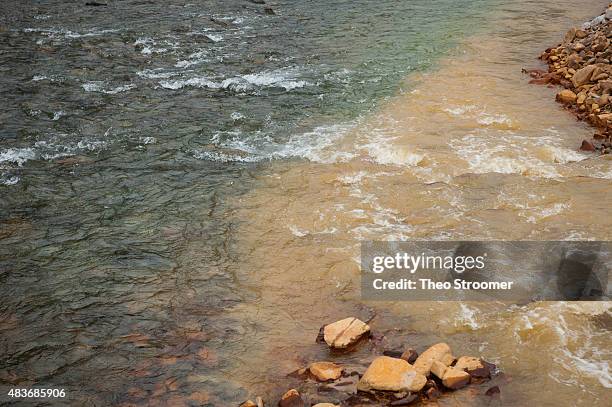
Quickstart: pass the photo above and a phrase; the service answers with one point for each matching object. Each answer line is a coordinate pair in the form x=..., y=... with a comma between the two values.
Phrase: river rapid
x=183, y=190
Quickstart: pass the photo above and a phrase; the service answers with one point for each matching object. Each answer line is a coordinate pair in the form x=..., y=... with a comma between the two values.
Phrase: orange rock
x=324, y=371
x=291, y=399
x=440, y=351
x=345, y=332
x=455, y=378
x=474, y=366
x=566, y=96
x=391, y=374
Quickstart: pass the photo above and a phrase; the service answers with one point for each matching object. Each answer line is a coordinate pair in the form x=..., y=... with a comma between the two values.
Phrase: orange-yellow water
x=467, y=151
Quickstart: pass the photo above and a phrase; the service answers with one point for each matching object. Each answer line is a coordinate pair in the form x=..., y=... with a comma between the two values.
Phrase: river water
x=183, y=189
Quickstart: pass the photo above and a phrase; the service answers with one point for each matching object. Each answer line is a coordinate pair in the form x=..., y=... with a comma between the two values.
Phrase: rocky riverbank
x=394, y=377
x=581, y=64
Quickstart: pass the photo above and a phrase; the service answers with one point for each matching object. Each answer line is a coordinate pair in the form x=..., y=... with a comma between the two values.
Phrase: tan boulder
x=566, y=96
x=583, y=75
x=291, y=399
x=324, y=371
x=440, y=351
x=391, y=374
x=455, y=378
x=345, y=332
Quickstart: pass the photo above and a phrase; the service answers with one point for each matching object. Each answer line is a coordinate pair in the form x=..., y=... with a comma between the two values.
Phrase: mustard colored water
x=466, y=151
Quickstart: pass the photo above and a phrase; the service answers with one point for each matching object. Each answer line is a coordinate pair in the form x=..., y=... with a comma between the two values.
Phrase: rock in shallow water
x=291, y=399
x=343, y=333
x=391, y=374
x=324, y=371
x=455, y=378
x=440, y=352
x=474, y=366
x=566, y=96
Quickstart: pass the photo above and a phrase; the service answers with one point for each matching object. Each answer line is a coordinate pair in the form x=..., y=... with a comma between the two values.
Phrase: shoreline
x=581, y=65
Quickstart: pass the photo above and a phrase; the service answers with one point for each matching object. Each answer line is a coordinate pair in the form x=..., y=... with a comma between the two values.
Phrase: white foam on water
x=599, y=369
x=389, y=154
x=381, y=148
x=215, y=37
x=147, y=140
x=563, y=155
x=55, y=33
x=57, y=115
x=151, y=46
x=352, y=179
x=158, y=73
x=236, y=116
x=510, y=154
x=287, y=78
x=487, y=119
x=58, y=146
x=99, y=86
x=467, y=316
x=9, y=180
x=576, y=350
x=198, y=82
x=17, y=155
x=298, y=232
x=460, y=110
x=195, y=58
x=225, y=157
x=318, y=145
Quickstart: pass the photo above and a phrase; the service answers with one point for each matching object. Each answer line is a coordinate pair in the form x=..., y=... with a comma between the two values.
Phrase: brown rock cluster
x=396, y=378
x=581, y=64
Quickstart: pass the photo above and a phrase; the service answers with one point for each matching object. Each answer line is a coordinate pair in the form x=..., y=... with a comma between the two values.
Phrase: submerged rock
x=343, y=333
x=587, y=146
x=391, y=374
x=324, y=371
